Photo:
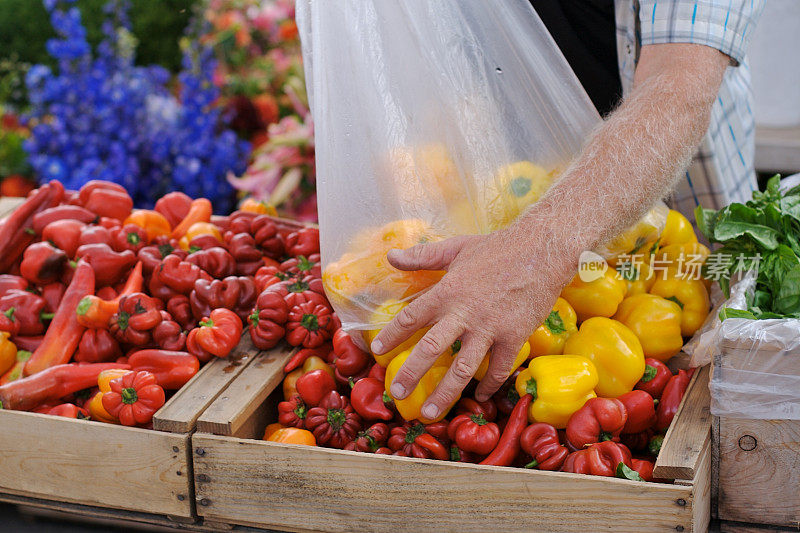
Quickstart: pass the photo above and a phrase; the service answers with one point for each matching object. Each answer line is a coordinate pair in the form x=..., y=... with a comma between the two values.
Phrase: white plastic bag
x=432, y=119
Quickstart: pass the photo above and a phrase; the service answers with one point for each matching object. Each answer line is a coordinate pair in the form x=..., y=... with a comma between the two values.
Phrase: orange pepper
x=107, y=376
x=261, y=207
x=292, y=436
x=97, y=411
x=199, y=211
x=271, y=429
x=8, y=353
x=197, y=229
x=153, y=222
x=312, y=363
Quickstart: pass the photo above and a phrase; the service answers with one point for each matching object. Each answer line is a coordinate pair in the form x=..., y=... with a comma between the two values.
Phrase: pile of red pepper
x=334, y=395
x=105, y=310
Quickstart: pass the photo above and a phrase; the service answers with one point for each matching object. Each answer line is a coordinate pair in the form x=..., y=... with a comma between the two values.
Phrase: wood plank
x=739, y=527
x=702, y=490
x=181, y=412
x=263, y=484
x=777, y=149
x=759, y=471
x=231, y=410
x=690, y=432
x=93, y=463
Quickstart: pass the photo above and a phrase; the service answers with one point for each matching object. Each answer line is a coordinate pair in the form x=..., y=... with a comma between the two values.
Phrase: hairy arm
x=500, y=287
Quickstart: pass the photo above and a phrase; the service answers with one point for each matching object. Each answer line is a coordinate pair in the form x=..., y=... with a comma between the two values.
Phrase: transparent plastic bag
x=432, y=119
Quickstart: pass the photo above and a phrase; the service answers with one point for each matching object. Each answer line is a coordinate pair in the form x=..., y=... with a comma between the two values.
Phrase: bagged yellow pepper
x=614, y=350
x=559, y=384
x=516, y=186
x=595, y=298
x=410, y=406
x=690, y=295
x=382, y=315
x=549, y=338
x=677, y=230
x=655, y=321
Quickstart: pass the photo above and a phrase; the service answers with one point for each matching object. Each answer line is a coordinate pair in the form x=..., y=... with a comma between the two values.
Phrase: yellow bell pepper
x=638, y=276
x=682, y=260
x=690, y=295
x=549, y=338
x=383, y=315
x=559, y=384
x=522, y=356
x=655, y=321
x=97, y=411
x=677, y=230
x=515, y=187
x=641, y=238
x=595, y=298
x=410, y=406
x=614, y=350
x=8, y=352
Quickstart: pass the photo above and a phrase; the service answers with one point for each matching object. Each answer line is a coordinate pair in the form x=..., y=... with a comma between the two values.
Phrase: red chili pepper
x=216, y=261
x=51, y=384
x=61, y=212
x=107, y=202
x=128, y=237
x=64, y=333
x=42, y=263
x=109, y=266
x=370, y=400
x=172, y=369
x=168, y=334
x=174, y=206
x=314, y=386
x=333, y=422
x=656, y=376
x=302, y=354
x=218, y=334
x=27, y=309
x=292, y=413
x=473, y=433
x=67, y=410
x=134, y=398
x=671, y=400
x=309, y=324
x=65, y=234
x=600, y=419
x=412, y=440
x=641, y=411
x=237, y=293
x=540, y=441
x=97, y=346
x=303, y=242
x=469, y=406
x=135, y=319
x=350, y=359
x=17, y=232
x=507, y=448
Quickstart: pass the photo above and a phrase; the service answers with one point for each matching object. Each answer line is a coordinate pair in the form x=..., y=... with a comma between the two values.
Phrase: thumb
x=429, y=256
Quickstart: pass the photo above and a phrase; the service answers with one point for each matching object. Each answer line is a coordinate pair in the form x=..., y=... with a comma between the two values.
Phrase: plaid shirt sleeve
x=726, y=25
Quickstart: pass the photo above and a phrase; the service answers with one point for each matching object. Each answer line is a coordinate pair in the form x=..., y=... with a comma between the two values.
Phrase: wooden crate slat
x=689, y=433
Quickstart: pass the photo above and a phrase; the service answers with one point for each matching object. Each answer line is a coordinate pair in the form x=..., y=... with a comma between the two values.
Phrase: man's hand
x=497, y=290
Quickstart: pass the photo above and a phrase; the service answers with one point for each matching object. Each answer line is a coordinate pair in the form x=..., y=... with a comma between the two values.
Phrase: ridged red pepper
x=600, y=419
x=134, y=398
x=641, y=411
x=268, y=320
x=268, y=275
x=237, y=293
x=350, y=359
x=299, y=291
x=292, y=412
x=179, y=307
x=133, y=323
x=179, y=275
x=168, y=334
x=372, y=438
x=472, y=433
x=671, y=400
x=303, y=242
x=540, y=442
x=216, y=261
x=333, y=422
x=412, y=440
x=469, y=406
x=217, y=335
x=64, y=333
x=97, y=346
x=302, y=266
x=172, y=369
x=309, y=325
x=600, y=459
x=314, y=386
x=266, y=236
x=243, y=248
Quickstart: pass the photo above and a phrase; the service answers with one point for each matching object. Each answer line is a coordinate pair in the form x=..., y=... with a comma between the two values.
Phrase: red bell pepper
x=179, y=275
x=298, y=291
x=303, y=242
x=237, y=293
x=469, y=406
x=51, y=384
x=65, y=234
x=671, y=400
x=644, y=468
x=42, y=263
x=128, y=237
x=372, y=438
x=216, y=261
x=315, y=386
x=174, y=206
x=17, y=232
x=61, y=212
x=266, y=236
x=8, y=322
x=350, y=359
x=243, y=248
x=90, y=186
x=218, y=334
x=152, y=255
x=323, y=352
x=134, y=398
x=370, y=400
x=655, y=378
x=268, y=275
x=302, y=266
x=412, y=440
x=94, y=235
x=378, y=372
x=641, y=411
x=540, y=442
x=172, y=369
x=64, y=333
x=507, y=448
x=292, y=412
x=30, y=343
x=333, y=422
x=67, y=410
x=27, y=309
x=52, y=294
x=109, y=266
x=473, y=433
x=97, y=346
x=15, y=372
x=599, y=459
x=309, y=325
x=133, y=323
x=168, y=334
x=637, y=441
x=600, y=419
x=9, y=281
x=181, y=311
x=108, y=202
x=159, y=290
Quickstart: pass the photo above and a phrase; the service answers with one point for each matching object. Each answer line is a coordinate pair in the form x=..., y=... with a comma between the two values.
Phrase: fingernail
x=430, y=411
x=398, y=391
x=376, y=347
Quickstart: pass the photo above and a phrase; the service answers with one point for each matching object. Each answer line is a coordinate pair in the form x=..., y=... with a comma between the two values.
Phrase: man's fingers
x=430, y=256
x=500, y=363
x=424, y=354
x=473, y=350
x=411, y=318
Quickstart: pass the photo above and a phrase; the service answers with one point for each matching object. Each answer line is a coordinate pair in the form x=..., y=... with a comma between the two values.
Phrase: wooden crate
x=103, y=465
x=757, y=462
x=254, y=483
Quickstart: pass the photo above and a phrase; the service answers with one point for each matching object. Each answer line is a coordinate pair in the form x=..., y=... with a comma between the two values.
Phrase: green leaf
x=731, y=229
x=705, y=219
x=787, y=297
x=727, y=312
x=626, y=472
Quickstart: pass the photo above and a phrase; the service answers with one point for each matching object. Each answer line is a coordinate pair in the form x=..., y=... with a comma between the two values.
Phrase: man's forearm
x=635, y=156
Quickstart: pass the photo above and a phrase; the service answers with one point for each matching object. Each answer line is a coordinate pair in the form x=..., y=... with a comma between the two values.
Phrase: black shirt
x=585, y=31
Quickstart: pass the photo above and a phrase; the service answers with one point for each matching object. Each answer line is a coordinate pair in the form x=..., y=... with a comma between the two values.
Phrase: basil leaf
x=787, y=297
x=727, y=312
x=763, y=235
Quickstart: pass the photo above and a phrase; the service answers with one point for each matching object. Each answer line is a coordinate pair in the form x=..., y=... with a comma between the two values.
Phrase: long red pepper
x=507, y=448
x=17, y=231
x=671, y=399
x=64, y=333
x=51, y=384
